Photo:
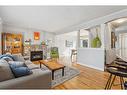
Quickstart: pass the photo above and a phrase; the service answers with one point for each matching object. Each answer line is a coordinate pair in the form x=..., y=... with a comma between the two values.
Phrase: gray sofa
x=39, y=79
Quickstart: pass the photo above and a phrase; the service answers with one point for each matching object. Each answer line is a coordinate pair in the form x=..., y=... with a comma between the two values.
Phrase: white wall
x=91, y=57
x=29, y=33
x=123, y=41
x=110, y=55
x=60, y=43
x=110, y=52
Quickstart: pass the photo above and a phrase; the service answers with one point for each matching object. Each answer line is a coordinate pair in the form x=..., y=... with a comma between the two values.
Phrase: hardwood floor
x=88, y=78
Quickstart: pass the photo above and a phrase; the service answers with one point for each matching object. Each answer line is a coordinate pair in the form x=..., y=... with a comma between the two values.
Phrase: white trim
x=90, y=66
x=91, y=48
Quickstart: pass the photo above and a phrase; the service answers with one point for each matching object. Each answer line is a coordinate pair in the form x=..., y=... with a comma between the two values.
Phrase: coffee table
x=53, y=66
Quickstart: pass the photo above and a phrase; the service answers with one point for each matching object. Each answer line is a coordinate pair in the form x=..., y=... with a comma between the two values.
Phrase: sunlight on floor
x=66, y=60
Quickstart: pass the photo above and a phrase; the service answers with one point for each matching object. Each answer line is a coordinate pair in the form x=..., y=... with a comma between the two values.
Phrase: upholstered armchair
x=54, y=52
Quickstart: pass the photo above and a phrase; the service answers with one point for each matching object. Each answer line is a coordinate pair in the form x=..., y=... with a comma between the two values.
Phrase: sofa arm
x=38, y=80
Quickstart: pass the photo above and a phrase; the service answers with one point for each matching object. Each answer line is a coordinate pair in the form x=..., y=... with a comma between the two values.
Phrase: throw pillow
x=5, y=71
x=17, y=64
x=21, y=71
x=7, y=57
x=18, y=57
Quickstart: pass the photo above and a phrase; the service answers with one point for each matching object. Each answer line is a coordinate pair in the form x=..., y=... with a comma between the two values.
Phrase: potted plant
x=96, y=42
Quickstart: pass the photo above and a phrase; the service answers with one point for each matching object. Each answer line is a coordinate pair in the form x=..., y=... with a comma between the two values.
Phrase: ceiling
x=119, y=22
x=120, y=25
x=53, y=18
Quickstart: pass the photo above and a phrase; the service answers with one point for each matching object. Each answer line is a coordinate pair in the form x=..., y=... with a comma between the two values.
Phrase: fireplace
x=36, y=55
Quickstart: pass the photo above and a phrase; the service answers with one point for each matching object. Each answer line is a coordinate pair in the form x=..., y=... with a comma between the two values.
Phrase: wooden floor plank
x=88, y=78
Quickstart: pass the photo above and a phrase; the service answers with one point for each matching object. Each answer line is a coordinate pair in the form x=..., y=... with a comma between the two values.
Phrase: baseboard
x=91, y=66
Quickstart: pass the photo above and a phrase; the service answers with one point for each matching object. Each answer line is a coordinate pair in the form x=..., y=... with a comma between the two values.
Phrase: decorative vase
x=96, y=42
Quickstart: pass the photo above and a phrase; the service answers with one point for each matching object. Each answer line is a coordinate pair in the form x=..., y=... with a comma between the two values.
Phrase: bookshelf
x=12, y=43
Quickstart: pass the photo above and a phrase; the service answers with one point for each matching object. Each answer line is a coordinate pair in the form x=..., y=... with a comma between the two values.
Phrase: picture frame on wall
x=113, y=40
x=36, y=35
x=85, y=43
x=68, y=43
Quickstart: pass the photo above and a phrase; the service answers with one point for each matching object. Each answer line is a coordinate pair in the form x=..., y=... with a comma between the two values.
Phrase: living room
x=61, y=47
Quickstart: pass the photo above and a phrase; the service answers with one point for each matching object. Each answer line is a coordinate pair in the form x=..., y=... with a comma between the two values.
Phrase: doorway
x=116, y=43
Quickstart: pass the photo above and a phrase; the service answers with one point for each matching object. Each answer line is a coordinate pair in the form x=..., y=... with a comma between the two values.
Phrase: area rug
x=69, y=73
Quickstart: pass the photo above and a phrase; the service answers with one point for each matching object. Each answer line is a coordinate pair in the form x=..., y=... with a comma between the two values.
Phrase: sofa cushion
x=32, y=66
x=21, y=71
x=16, y=64
x=19, y=68
x=5, y=71
x=7, y=57
x=37, y=80
x=18, y=57
x=28, y=62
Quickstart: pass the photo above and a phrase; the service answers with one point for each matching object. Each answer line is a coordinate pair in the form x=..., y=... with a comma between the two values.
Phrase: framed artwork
x=69, y=43
x=113, y=40
x=85, y=43
x=36, y=35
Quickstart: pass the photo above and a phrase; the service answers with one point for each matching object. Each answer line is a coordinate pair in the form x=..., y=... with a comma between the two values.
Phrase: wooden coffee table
x=53, y=66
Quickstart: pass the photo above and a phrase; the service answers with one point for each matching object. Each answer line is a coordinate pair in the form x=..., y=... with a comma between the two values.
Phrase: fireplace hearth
x=36, y=55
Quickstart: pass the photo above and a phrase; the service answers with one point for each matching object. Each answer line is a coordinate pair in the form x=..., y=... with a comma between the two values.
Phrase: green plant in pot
x=96, y=42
